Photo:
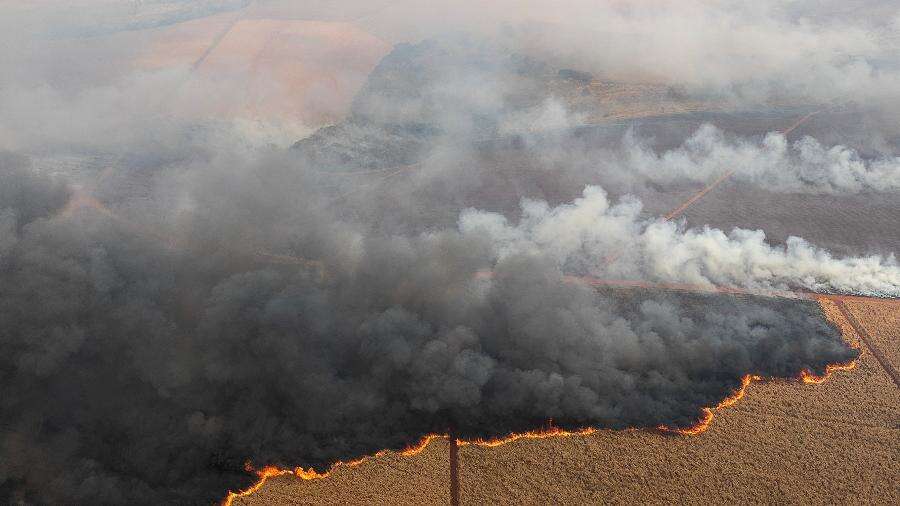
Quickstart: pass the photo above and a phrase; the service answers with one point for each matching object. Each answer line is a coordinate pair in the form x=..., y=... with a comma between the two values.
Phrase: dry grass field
x=784, y=442
x=882, y=321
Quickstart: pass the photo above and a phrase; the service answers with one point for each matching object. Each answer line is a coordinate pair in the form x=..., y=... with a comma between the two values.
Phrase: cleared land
x=785, y=442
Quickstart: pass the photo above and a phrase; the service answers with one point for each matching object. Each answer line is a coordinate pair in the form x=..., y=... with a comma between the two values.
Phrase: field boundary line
x=866, y=338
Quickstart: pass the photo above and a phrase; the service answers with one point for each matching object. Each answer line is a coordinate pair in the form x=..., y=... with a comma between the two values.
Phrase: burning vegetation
x=211, y=303
x=549, y=431
x=281, y=365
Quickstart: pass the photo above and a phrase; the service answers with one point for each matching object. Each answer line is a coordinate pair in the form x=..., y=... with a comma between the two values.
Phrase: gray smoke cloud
x=181, y=294
x=592, y=235
x=772, y=163
x=141, y=372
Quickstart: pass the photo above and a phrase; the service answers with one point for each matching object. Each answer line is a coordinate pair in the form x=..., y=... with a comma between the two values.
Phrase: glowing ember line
x=708, y=413
x=548, y=432
x=311, y=474
x=806, y=376
x=809, y=378
x=702, y=425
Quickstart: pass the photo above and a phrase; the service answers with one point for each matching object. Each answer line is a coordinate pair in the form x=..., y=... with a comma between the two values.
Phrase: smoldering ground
x=136, y=371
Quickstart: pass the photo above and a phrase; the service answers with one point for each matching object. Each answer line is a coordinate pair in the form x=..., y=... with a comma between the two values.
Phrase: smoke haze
x=142, y=373
x=772, y=163
x=590, y=235
x=193, y=278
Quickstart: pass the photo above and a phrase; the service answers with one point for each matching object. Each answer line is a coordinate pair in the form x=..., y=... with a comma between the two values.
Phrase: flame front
x=809, y=378
x=707, y=414
x=311, y=474
x=706, y=418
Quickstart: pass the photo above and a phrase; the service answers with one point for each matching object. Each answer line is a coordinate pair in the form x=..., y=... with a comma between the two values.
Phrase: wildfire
x=708, y=413
x=806, y=376
x=263, y=474
x=546, y=432
x=311, y=474
x=81, y=199
x=809, y=378
x=418, y=448
x=706, y=418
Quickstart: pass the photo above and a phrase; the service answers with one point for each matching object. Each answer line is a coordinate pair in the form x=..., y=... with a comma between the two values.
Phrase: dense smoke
x=137, y=371
x=183, y=292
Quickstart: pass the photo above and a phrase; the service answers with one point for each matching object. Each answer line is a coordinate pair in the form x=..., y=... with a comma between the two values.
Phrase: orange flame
x=709, y=413
x=543, y=433
x=311, y=474
x=81, y=199
x=263, y=474
x=806, y=376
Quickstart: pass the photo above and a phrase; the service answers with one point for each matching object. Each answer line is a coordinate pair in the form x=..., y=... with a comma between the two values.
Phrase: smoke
x=180, y=295
x=150, y=373
x=774, y=163
x=593, y=236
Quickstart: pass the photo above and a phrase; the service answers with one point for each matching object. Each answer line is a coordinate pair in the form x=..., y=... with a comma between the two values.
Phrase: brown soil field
x=306, y=71
x=296, y=69
x=784, y=442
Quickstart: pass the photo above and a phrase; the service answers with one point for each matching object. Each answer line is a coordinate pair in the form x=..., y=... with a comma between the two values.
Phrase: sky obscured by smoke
x=55, y=76
x=185, y=288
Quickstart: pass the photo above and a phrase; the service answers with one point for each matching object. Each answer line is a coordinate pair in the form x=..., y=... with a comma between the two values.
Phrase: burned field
x=488, y=250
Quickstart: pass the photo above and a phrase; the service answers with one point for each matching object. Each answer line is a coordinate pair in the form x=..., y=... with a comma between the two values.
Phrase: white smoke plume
x=592, y=235
x=179, y=295
x=773, y=163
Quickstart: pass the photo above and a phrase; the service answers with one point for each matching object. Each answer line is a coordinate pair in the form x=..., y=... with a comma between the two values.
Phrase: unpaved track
x=218, y=39
x=869, y=342
x=674, y=213
x=454, y=470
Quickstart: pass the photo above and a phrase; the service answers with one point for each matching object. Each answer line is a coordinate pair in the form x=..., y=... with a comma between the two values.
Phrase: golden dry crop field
x=237, y=235
x=784, y=442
